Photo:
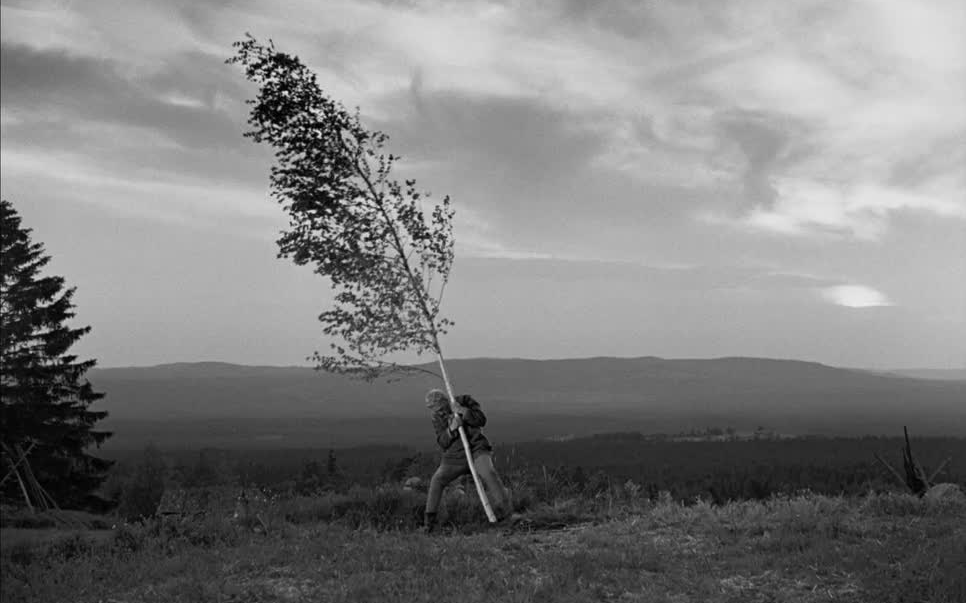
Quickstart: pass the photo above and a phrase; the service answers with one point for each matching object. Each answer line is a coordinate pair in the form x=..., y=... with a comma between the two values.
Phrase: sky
x=631, y=178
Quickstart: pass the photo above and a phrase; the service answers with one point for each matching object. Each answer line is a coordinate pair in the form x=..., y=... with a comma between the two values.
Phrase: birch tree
x=386, y=248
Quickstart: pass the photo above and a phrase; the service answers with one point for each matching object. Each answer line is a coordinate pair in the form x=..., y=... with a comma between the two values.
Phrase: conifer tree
x=44, y=411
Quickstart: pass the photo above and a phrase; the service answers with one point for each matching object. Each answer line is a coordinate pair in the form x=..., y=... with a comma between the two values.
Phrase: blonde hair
x=435, y=397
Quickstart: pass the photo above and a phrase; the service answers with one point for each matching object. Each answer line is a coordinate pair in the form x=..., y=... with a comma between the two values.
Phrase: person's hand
x=455, y=422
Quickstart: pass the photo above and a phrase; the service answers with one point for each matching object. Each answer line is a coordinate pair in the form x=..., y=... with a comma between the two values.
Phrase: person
x=454, y=463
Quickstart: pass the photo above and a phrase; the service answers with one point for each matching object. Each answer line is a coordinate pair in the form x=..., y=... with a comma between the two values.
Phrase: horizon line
x=557, y=359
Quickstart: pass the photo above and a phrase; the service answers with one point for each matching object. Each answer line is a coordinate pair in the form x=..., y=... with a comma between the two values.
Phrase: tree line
x=717, y=471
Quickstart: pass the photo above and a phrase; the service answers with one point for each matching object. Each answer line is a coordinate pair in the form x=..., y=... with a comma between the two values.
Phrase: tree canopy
x=387, y=255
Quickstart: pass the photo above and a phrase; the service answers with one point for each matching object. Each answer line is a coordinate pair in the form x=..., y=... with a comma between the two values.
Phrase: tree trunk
x=466, y=444
x=915, y=475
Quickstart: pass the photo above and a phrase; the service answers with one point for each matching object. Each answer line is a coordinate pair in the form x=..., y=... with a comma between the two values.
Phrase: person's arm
x=471, y=412
x=444, y=435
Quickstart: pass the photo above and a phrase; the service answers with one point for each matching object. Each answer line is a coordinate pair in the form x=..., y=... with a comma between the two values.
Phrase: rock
x=945, y=493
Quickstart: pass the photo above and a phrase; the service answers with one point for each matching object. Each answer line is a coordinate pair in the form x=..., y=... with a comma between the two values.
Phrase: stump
x=915, y=478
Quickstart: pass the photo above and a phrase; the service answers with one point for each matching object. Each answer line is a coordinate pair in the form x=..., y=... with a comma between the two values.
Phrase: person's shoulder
x=466, y=400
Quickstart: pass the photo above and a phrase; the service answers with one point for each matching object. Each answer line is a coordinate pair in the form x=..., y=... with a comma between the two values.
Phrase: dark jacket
x=473, y=420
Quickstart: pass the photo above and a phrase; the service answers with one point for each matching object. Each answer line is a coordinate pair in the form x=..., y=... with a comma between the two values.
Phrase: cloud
x=855, y=296
x=518, y=143
x=184, y=100
x=874, y=96
x=807, y=208
x=163, y=143
x=657, y=280
x=560, y=124
x=477, y=238
x=734, y=167
x=144, y=33
x=70, y=176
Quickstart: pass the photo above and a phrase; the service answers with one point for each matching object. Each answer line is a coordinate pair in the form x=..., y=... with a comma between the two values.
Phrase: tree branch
x=891, y=469
x=939, y=469
x=400, y=249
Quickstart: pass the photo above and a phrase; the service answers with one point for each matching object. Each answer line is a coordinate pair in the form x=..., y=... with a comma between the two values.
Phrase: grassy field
x=878, y=548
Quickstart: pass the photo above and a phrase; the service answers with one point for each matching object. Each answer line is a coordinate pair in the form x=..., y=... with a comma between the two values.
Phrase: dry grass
x=880, y=548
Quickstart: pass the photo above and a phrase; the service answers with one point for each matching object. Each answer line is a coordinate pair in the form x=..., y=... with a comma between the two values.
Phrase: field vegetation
x=360, y=546
x=618, y=517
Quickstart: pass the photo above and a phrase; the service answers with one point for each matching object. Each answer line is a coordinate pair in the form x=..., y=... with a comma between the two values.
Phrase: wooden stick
x=17, y=464
x=23, y=487
x=39, y=491
x=891, y=469
x=939, y=469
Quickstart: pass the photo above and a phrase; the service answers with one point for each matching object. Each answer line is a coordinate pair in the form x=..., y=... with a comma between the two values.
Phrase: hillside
x=540, y=397
x=939, y=374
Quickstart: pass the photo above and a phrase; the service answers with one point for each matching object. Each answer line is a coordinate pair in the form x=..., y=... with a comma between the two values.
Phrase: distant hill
x=522, y=397
x=940, y=374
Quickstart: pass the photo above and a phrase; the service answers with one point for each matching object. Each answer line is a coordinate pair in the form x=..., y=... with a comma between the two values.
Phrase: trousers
x=447, y=472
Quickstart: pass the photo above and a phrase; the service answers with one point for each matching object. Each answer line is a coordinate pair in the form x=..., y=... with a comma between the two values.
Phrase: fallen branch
x=892, y=470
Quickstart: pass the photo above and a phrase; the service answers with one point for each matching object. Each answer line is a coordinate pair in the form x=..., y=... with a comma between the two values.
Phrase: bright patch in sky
x=855, y=296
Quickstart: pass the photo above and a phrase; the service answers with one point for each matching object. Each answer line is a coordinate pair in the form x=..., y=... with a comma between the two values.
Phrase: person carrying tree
x=454, y=463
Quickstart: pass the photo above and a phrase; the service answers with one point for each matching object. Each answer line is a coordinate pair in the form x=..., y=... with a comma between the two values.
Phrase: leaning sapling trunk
x=386, y=254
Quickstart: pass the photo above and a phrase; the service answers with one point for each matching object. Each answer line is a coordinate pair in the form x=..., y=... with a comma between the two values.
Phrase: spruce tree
x=45, y=398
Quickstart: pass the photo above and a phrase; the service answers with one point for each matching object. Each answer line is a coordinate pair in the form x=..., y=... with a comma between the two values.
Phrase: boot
x=429, y=523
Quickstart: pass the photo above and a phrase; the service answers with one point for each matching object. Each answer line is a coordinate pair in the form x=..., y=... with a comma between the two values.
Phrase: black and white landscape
x=700, y=267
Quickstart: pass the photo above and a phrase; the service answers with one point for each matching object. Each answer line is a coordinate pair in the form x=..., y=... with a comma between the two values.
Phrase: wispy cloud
x=182, y=202
x=478, y=238
x=875, y=86
x=803, y=207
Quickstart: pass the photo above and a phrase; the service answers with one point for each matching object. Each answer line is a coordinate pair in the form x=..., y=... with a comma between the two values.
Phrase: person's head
x=436, y=400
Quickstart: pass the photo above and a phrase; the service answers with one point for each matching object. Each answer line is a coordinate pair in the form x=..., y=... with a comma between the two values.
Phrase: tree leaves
x=387, y=257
